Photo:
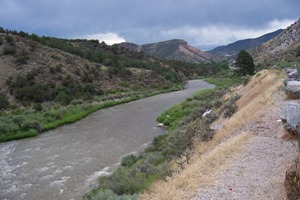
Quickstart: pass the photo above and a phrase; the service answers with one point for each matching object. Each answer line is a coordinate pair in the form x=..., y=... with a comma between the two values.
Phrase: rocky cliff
x=286, y=40
x=231, y=50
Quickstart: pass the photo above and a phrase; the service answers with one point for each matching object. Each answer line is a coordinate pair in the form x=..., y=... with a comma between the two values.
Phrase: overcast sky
x=202, y=23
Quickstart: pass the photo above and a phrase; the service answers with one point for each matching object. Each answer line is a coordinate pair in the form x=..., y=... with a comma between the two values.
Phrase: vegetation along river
x=66, y=162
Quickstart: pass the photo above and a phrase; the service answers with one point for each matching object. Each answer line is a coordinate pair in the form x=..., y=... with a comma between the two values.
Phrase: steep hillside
x=33, y=72
x=275, y=48
x=231, y=50
x=247, y=148
x=172, y=50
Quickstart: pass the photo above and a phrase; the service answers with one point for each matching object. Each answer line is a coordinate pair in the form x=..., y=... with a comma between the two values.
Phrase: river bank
x=21, y=124
x=65, y=163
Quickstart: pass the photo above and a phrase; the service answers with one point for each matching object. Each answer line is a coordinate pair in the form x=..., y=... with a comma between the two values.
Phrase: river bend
x=65, y=163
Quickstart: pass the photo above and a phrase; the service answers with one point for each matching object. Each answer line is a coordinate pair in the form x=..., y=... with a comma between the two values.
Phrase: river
x=66, y=162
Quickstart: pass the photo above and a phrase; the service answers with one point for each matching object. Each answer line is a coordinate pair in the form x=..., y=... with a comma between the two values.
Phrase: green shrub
x=7, y=127
x=77, y=72
x=246, y=79
x=217, y=103
x=35, y=93
x=124, y=181
x=18, y=135
x=3, y=102
x=210, y=118
x=298, y=52
x=28, y=124
x=124, y=72
x=37, y=107
x=129, y=160
x=124, y=84
x=158, y=143
x=58, y=68
x=107, y=195
x=230, y=107
x=22, y=58
x=9, y=38
x=224, y=82
x=9, y=50
x=108, y=62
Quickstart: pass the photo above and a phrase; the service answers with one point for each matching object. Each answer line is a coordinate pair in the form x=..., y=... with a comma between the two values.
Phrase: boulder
x=290, y=79
x=292, y=89
x=290, y=117
x=292, y=73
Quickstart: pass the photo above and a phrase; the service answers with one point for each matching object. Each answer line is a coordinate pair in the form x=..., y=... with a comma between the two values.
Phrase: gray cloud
x=200, y=22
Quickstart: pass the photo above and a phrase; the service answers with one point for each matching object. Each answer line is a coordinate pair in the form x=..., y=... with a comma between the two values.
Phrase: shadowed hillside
x=230, y=51
x=284, y=47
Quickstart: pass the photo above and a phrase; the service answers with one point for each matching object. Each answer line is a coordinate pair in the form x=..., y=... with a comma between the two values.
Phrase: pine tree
x=244, y=63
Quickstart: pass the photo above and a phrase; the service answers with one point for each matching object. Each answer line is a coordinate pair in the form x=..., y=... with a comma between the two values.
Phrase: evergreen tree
x=244, y=63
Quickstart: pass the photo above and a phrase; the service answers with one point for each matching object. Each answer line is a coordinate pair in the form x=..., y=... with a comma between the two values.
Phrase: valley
x=66, y=162
x=81, y=119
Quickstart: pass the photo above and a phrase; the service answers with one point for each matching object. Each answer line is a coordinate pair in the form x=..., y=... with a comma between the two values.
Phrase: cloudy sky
x=202, y=23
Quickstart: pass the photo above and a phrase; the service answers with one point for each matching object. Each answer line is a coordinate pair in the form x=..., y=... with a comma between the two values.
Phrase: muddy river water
x=66, y=162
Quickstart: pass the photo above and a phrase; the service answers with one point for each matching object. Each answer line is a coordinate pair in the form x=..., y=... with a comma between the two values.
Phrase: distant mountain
x=175, y=49
x=283, y=47
x=231, y=50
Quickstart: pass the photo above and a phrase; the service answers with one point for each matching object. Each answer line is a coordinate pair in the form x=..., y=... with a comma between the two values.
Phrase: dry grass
x=210, y=157
x=199, y=173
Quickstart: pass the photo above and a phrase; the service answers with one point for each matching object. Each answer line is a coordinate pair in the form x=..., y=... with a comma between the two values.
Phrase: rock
x=292, y=180
x=292, y=89
x=160, y=125
x=292, y=73
x=207, y=112
x=290, y=79
x=290, y=117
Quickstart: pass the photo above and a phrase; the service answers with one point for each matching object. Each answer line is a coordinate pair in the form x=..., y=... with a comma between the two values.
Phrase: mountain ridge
x=288, y=40
x=174, y=49
x=231, y=50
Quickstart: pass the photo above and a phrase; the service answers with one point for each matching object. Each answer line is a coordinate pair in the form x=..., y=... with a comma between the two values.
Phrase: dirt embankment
x=248, y=156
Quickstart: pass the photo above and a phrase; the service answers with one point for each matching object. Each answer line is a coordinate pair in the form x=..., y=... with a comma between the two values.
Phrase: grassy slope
x=210, y=156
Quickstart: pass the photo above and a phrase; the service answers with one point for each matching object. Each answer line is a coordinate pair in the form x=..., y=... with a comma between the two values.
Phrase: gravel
x=259, y=171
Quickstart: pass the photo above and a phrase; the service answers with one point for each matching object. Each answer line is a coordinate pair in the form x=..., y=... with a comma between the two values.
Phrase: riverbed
x=66, y=162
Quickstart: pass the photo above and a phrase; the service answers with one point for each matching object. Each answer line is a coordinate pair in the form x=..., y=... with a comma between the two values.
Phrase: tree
x=244, y=63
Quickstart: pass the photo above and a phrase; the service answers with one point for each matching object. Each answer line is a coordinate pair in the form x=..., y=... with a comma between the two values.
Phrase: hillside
x=280, y=47
x=47, y=82
x=171, y=50
x=27, y=67
x=230, y=51
x=248, y=155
